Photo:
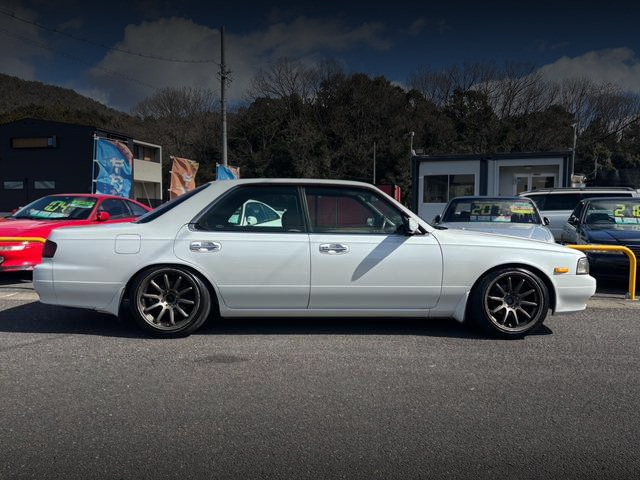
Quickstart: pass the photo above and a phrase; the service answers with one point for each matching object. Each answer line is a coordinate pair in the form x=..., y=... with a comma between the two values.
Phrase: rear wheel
x=169, y=301
x=509, y=303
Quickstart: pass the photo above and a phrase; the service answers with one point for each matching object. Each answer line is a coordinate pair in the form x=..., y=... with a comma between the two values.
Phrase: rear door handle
x=333, y=248
x=205, y=246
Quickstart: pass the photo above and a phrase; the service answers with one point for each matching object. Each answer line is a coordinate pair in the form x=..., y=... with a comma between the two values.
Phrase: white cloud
x=179, y=38
x=618, y=66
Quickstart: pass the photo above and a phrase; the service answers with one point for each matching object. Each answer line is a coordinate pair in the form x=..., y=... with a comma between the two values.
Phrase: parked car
x=606, y=221
x=515, y=216
x=22, y=234
x=557, y=203
x=343, y=249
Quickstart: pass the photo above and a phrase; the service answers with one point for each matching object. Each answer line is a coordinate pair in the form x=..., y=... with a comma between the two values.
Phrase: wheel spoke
x=526, y=314
x=155, y=285
x=529, y=304
x=528, y=292
x=151, y=295
x=166, y=282
x=182, y=292
x=152, y=307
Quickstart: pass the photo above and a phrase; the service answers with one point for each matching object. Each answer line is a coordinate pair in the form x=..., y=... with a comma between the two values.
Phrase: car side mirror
x=437, y=219
x=545, y=220
x=411, y=226
x=572, y=220
x=103, y=216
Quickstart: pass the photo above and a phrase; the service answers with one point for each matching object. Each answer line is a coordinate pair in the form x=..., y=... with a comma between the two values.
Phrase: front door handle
x=205, y=246
x=333, y=248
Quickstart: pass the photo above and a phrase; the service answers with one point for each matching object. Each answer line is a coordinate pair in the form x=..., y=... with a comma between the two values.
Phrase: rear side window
x=561, y=201
x=609, y=194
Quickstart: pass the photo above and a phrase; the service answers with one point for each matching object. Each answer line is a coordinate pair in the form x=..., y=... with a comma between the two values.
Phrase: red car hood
x=33, y=228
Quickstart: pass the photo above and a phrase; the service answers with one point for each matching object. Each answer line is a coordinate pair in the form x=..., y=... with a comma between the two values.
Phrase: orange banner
x=183, y=176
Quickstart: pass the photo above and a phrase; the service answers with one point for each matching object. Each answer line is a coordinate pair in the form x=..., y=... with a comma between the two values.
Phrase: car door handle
x=333, y=248
x=205, y=246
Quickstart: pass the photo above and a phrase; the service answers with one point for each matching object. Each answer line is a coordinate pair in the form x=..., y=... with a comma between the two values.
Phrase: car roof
x=481, y=197
x=578, y=189
x=613, y=197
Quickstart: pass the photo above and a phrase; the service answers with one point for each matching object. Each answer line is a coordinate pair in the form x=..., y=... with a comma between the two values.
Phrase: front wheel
x=169, y=301
x=509, y=303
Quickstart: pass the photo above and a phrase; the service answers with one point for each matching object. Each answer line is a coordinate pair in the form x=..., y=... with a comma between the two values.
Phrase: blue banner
x=115, y=168
x=225, y=173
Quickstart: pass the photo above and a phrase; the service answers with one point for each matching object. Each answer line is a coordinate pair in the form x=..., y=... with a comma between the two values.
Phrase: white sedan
x=516, y=216
x=342, y=249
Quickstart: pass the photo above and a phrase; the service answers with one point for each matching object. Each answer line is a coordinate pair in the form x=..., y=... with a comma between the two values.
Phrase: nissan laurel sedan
x=22, y=234
x=340, y=249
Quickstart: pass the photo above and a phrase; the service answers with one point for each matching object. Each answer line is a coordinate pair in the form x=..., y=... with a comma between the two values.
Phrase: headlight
x=583, y=266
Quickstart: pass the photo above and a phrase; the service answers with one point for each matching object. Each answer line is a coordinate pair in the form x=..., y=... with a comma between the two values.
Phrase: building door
x=532, y=181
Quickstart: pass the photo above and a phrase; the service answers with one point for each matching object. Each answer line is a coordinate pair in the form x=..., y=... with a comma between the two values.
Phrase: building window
x=13, y=185
x=44, y=184
x=34, y=142
x=441, y=188
x=147, y=154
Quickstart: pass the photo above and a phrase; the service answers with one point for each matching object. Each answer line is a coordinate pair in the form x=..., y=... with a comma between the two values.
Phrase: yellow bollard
x=618, y=248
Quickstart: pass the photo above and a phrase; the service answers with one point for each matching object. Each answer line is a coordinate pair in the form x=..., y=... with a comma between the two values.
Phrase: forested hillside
x=319, y=121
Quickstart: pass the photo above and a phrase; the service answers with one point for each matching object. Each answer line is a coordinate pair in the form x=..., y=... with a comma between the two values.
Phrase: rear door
x=256, y=264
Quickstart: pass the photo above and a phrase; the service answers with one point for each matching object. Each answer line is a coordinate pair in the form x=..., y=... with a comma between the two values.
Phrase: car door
x=362, y=259
x=254, y=265
x=570, y=228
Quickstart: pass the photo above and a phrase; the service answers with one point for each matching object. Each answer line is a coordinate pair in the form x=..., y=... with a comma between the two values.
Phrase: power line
x=64, y=54
x=106, y=47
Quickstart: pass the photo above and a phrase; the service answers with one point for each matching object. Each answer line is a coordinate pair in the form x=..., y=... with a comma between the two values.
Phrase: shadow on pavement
x=35, y=317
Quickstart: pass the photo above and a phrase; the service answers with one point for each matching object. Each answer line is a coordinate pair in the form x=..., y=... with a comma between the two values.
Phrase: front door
x=532, y=181
x=361, y=257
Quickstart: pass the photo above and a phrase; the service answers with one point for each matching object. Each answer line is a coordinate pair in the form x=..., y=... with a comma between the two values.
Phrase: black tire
x=509, y=303
x=169, y=301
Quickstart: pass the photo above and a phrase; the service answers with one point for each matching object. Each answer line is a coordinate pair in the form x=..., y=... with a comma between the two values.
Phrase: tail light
x=49, y=249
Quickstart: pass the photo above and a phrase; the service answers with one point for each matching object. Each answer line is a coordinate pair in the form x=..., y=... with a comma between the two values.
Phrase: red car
x=22, y=234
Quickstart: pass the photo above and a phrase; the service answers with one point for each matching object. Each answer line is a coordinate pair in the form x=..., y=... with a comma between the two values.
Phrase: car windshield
x=618, y=212
x=58, y=207
x=492, y=210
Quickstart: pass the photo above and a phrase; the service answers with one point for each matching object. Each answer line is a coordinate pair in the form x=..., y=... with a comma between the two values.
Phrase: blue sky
x=78, y=44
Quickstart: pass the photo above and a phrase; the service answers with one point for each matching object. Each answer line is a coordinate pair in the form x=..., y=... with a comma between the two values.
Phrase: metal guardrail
x=633, y=263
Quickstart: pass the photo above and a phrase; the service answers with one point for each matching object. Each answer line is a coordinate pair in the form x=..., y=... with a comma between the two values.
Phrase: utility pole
x=573, y=152
x=374, y=163
x=223, y=107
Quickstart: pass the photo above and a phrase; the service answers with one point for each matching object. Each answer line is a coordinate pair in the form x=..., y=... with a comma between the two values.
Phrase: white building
x=436, y=179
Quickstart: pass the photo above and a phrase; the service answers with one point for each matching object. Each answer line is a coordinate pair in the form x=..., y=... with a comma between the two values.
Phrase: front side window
x=255, y=208
x=115, y=208
x=350, y=210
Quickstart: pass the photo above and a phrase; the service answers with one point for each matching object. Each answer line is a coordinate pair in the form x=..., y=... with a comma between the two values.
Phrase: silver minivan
x=557, y=203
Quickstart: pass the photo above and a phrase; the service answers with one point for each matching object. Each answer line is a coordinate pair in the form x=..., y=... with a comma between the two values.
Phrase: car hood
x=613, y=233
x=524, y=230
x=30, y=228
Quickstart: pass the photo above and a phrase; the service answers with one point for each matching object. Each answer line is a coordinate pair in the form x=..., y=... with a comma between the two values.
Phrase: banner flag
x=183, y=176
x=115, y=168
x=227, y=173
